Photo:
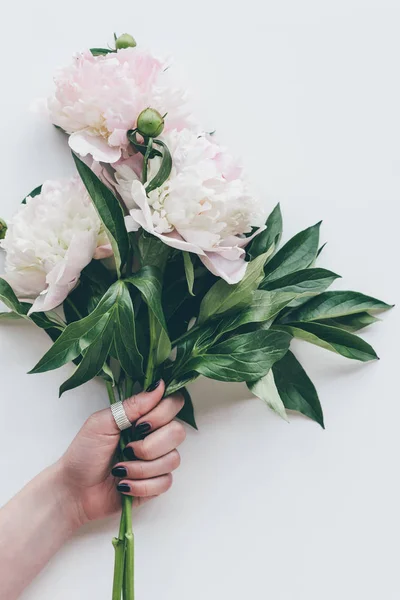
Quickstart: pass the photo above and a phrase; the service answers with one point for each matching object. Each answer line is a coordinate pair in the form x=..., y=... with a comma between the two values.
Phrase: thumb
x=135, y=407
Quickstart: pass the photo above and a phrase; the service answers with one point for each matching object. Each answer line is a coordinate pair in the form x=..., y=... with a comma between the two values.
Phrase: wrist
x=68, y=502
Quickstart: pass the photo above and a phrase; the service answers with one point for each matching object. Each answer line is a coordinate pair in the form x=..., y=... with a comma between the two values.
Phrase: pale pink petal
x=174, y=240
x=83, y=144
x=104, y=251
x=131, y=225
x=63, y=277
x=232, y=271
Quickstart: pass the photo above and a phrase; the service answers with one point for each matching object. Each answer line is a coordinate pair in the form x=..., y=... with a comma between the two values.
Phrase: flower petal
x=232, y=271
x=83, y=143
x=65, y=274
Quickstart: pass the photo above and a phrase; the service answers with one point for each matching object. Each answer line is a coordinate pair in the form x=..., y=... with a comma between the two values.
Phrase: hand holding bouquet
x=157, y=261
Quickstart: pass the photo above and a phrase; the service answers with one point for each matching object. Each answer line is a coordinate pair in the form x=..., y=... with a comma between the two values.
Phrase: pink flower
x=50, y=240
x=98, y=99
x=204, y=207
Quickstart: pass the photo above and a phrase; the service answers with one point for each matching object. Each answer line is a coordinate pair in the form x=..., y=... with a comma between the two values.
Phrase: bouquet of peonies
x=156, y=260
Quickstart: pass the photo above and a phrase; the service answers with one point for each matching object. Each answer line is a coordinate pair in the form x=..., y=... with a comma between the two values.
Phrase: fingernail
x=119, y=472
x=143, y=428
x=153, y=386
x=123, y=487
x=129, y=453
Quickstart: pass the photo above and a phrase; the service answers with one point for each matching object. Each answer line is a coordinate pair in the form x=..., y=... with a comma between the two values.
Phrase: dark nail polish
x=129, y=453
x=119, y=472
x=123, y=487
x=153, y=386
x=143, y=428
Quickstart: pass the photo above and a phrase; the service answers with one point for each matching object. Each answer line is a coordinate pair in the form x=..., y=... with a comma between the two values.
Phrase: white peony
x=99, y=98
x=50, y=240
x=205, y=206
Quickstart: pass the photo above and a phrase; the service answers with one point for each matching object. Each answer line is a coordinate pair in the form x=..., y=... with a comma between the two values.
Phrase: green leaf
x=164, y=170
x=77, y=336
x=153, y=252
x=296, y=388
x=270, y=237
x=189, y=271
x=298, y=253
x=149, y=282
x=263, y=306
x=305, y=282
x=331, y=338
x=93, y=359
x=351, y=323
x=331, y=305
x=187, y=412
x=33, y=193
x=8, y=297
x=109, y=210
x=94, y=281
x=101, y=51
x=266, y=390
x=245, y=357
x=9, y=316
x=125, y=336
x=223, y=297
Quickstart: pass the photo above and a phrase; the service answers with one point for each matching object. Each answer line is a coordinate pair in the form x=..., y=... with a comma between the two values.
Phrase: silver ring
x=119, y=414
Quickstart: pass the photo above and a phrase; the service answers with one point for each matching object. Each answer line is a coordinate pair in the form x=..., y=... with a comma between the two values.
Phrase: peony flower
x=98, y=99
x=50, y=240
x=204, y=207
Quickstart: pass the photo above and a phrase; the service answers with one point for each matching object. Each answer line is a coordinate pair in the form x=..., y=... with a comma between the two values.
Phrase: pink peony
x=98, y=99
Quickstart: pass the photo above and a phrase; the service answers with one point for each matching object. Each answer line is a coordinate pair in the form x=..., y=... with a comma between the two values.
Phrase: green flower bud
x=125, y=41
x=150, y=123
x=3, y=229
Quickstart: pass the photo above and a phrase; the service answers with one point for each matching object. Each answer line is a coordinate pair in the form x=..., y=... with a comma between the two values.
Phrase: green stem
x=152, y=350
x=128, y=585
x=146, y=159
x=119, y=568
x=185, y=335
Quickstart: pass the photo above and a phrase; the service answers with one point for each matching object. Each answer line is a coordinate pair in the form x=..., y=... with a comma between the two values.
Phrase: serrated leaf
x=296, y=389
x=109, y=210
x=93, y=358
x=189, y=271
x=245, y=357
x=331, y=338
x=223, y=297
x=266, y=390
x=149, y=282
x=351, y=323
x=298, y=253
x=331, y=305
x=186, y=414
x=270, y=237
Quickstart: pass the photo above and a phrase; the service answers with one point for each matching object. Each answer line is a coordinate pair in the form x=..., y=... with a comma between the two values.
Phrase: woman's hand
x=94, y=482
x=81, y=486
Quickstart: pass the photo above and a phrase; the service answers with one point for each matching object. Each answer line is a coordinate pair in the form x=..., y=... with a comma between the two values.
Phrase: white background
x=308, y=93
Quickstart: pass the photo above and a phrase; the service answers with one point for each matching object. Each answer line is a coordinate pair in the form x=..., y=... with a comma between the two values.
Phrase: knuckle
x=168, y=482
x=179, y=399
x=140, y=470
x=178, y=431
x=175, y=459
x=144, y=450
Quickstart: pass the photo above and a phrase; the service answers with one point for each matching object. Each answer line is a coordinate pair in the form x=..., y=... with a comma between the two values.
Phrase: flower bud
x=150, y=123
x=125, y=41
x=3, y=229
